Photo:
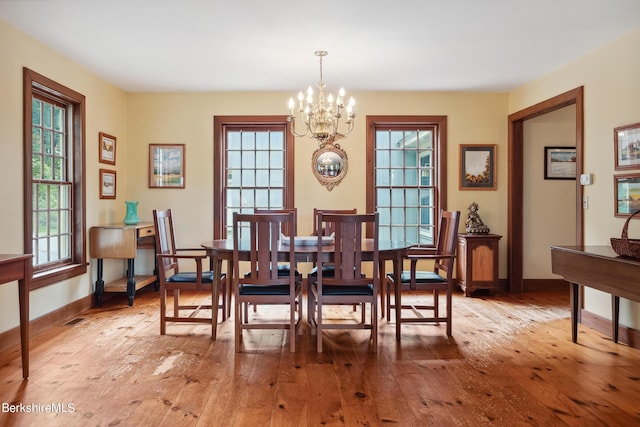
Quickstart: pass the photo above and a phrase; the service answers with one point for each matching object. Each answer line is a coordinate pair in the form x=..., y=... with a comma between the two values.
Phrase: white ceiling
x=373, y=45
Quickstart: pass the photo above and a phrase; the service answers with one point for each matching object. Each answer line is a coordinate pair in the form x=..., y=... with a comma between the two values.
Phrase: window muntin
x=52, y=232
x=254, y=171
x=408, y=176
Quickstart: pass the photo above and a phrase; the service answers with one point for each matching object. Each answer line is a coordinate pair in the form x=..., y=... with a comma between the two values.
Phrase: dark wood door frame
x=515, y=224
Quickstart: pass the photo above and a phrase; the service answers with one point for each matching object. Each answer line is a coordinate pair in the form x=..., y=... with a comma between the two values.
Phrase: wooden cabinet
x=121, y=241
x=478, y=262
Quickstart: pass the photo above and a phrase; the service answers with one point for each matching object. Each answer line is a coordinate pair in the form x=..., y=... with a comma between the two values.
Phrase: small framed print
x=626, y=188
x=477, y=167
x=627, y=146
x=166, y=165
x=559, y=162
x=107, y=184
x=107, y=148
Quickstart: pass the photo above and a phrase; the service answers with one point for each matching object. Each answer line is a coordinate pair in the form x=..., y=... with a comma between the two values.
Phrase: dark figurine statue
x=474, y=224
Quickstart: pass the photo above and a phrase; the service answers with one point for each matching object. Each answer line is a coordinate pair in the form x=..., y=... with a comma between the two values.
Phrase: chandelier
x=322, y=117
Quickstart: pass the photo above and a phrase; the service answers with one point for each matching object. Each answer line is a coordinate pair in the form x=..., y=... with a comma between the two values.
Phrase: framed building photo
x=477, y=167
x=627, y=146
x=107, y=184
x=167, y=165
x=559, y=162
x=107, y=148
x=627, y=194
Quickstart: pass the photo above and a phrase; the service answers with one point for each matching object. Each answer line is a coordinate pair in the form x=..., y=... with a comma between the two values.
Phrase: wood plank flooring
x=510, y=362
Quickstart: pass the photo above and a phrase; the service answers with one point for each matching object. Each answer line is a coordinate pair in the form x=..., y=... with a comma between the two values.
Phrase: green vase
x=131, y=217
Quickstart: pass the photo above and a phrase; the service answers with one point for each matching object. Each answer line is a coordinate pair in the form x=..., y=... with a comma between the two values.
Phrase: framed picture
x=107, y=184
x=627, y=146
x=626, y=188
x=107, y=149
x=166, y=165
x=559, y=162
x=477, y=167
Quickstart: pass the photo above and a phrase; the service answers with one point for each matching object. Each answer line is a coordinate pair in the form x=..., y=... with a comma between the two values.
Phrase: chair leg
x=238, y=325
x=436, y=303
x=163, y=310
x=215, y=294
x=374, y=323
x=319, y=325
x=397, y=293
x=449, y=311
x=176, y=302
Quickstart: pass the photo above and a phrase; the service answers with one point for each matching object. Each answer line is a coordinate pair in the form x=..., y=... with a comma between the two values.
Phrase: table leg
x=131, y=280
x=615, y=316
x=23, y=296
x=99, y=283
x=397, y=274
x=382, y=273
x=574, y=296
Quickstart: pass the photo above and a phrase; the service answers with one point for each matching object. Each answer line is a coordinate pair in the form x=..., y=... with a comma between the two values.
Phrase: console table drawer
x=146, y=232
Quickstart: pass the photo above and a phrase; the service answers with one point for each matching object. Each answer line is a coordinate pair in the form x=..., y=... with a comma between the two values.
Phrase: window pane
x=262, y=159
x=277, y=178
x=262, y=178
x=276, y=200
x=47, y=116
x=382, y=140
x=382, y=177
x=233, y=198
x=262, y=140
x=234, y=159
x=262, y=199
x=277, y=159
x=248, y=160
x=382, y=159
x=384, y=197
x=233, y=140
x=411, y=177
x=248, y=178
x=277, y=140
x=36, y=112
x=248, y=141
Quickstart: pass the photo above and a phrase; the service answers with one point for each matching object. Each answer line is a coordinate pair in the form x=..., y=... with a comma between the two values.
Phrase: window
x=254, y=167
x=406, y=161
x=54, y=179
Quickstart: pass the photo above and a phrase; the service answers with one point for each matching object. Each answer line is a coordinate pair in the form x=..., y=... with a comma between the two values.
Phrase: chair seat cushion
x=283, y=270
x=421, y=277
x=328, y=270
x=347, y=290
x=265, y=290
x=190, y=276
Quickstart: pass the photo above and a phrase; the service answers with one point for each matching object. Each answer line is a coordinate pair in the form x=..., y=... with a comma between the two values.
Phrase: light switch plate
x=585, y=179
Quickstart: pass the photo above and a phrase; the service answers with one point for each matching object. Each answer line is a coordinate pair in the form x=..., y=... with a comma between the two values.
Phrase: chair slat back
x=447, y=240
x=348, y=247
x=264, y=243
x=165, y=239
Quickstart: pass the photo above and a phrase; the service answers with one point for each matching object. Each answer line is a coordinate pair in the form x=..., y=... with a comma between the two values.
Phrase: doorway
x=515, y=223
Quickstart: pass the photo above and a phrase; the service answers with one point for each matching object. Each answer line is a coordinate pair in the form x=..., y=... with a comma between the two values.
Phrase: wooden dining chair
x=348, y=285
x=173, y=280
x=440, y=278
x=264, y=283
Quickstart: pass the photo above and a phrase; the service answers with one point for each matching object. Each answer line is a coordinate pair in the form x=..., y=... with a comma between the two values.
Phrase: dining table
x=221, y=250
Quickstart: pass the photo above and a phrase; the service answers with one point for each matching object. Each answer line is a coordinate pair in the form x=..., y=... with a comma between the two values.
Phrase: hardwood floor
x=510, y=362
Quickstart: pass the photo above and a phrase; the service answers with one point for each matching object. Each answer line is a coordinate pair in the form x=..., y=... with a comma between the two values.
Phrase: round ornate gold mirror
x=329, y=164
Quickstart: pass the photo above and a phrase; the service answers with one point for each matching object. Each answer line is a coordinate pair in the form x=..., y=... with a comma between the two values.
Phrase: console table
x=597, y=267
x=121, y=241
x=12, y=268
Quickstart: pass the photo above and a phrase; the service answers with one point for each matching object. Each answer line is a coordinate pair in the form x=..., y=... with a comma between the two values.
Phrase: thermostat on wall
x=585, y=179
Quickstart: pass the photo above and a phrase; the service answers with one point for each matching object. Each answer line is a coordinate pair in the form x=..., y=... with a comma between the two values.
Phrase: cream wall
x=105, y=111
x=473, y=118
x=611, y=87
